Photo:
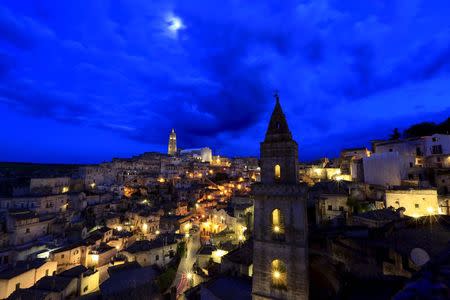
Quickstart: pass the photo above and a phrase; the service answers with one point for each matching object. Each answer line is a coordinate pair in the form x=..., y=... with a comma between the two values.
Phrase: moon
x=174, y=24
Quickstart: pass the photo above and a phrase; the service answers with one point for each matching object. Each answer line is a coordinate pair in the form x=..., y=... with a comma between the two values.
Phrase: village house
x=24, y=275
x=332, y=208
x=416, y=202
x=26, y=226
x=70, y=256
x=156, y=252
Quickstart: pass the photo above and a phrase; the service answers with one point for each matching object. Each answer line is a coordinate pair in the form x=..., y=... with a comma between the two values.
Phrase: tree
x=395, y=135
x=444, y=127
x=421, y=129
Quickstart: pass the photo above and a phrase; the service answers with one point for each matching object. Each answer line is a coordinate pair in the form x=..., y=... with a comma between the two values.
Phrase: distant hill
x=15, y=169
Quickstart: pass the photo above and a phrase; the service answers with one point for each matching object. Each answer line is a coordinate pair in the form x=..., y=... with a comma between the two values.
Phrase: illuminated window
x=277, y=172
x=279, y=274
x=277, y=224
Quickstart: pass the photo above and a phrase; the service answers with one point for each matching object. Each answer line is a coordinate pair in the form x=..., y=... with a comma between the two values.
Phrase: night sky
x=85, y=81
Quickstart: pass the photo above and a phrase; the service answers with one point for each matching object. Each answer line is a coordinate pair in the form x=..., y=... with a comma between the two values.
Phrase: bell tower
x=279, y=151
x=280, y=254
x=172, y=143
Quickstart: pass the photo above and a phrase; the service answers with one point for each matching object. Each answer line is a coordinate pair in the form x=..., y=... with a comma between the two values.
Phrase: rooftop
x=30, y=293
x=23, y=215
x=146, y=245
x=129, y=276
x=384, y=214
x=21, y=267
x=206, y=250
x=242, y=255
x=228, y=287
x=53, y=283
x=77, y=271
x=429, y=233
x=69, y=247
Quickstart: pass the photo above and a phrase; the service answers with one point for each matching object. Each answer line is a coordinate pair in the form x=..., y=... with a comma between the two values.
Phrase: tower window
x=277, y=172
x=278, y=125
x=279, y=274
x=277, y=224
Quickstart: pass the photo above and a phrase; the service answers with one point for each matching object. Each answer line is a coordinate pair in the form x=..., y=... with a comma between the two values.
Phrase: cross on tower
x=276, y=95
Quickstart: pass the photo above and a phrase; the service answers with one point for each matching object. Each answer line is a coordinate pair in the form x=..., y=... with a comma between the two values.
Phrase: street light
x=189, y=275
x=190, y=278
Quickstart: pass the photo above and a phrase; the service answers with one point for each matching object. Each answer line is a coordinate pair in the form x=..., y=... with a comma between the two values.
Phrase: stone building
x=24, y=275
x=280, y=256
x=417, y=202
x=172, y=143
x=26, y=226
x=159, y=251
x=332, y=207
x=388, y=168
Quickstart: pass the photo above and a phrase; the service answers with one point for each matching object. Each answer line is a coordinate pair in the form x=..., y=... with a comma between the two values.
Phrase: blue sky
x=85, y=81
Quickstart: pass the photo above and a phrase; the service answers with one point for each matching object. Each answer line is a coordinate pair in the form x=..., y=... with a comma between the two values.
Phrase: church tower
x=280, y=254
x=172, y=143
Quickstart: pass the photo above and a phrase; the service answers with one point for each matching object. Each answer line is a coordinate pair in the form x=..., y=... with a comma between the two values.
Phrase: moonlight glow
x=174, y=24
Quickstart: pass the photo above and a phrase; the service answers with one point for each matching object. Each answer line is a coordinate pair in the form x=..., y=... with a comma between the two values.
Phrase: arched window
x=277, y=224
x=277, y=172
x=279, y=274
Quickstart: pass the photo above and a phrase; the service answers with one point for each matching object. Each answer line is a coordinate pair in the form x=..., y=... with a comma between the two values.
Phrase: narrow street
x=187, y=261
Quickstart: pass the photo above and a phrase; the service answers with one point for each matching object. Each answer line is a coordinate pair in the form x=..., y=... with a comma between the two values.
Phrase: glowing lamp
x=430, y=210
x=276, y=228
x=276, y=274
x=94, y=258
x=189, y=275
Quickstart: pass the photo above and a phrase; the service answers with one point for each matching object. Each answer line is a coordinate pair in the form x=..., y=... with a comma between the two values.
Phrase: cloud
x=21, y=31
x=113, y=66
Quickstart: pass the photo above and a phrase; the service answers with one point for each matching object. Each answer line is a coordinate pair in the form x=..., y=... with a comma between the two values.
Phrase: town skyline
x=163, y=149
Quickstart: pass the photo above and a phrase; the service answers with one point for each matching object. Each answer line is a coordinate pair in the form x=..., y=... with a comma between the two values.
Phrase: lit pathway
x=188, y=260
